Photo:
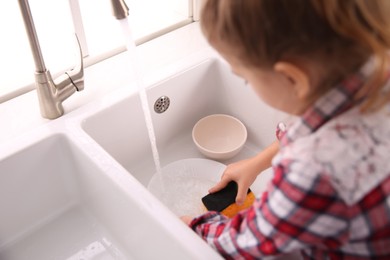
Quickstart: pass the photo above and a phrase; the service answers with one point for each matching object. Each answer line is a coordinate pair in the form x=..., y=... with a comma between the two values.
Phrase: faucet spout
x=120, y=9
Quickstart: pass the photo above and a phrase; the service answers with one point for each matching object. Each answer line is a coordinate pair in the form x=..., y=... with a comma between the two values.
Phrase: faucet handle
x=76, y=75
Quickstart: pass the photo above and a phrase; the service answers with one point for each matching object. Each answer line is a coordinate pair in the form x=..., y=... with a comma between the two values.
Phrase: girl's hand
x=244, y=172
x=186, y=219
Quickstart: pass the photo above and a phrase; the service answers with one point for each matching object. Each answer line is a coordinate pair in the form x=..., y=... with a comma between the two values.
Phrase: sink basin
x=202, y=89
x=58, y=203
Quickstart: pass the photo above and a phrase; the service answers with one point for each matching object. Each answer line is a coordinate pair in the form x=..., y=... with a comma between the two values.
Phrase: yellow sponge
x=224, y=200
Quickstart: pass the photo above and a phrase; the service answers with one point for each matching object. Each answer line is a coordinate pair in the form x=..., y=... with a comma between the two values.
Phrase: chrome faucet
x=120, y=9
x=51, y=93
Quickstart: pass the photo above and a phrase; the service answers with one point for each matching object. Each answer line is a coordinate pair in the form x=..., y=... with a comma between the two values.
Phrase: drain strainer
x=161, y=105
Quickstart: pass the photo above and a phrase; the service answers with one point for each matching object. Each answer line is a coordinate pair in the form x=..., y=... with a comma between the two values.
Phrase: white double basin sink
x=75, y=188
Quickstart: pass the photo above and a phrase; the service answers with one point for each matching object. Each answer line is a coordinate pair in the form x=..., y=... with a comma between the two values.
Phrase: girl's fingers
x=241, y=194
x=220, y=185
x=186, y=219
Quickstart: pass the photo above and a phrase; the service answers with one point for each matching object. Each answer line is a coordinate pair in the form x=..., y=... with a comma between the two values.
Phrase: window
x=56, y=27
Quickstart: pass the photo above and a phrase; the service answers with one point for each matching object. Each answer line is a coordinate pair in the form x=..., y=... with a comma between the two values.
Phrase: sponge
x=224, y=200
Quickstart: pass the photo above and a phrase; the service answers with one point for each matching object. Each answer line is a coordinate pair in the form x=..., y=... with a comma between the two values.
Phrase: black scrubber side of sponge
x=220, y=200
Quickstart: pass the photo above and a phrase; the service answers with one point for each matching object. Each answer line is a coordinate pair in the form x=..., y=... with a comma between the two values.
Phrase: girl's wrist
x=264, y=158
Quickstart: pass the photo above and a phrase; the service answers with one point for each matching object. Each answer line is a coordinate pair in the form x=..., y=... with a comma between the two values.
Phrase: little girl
x=326, y=62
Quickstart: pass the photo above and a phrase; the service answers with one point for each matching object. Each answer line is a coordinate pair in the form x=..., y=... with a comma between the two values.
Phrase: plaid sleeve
x=299, y=210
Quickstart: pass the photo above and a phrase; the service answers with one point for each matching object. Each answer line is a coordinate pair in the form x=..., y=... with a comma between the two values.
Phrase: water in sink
x=185, y=182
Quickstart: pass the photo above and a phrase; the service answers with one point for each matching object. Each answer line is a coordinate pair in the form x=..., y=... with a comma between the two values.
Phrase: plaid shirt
x=330, y=194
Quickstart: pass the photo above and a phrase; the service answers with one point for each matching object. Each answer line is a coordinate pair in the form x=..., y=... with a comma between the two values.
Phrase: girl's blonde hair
x=339, y=34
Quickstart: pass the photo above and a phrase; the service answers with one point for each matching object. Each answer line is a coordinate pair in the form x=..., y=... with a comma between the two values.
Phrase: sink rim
x=70, y=126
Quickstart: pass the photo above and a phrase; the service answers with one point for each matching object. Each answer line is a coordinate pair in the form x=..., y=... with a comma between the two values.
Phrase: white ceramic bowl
x=219, y=136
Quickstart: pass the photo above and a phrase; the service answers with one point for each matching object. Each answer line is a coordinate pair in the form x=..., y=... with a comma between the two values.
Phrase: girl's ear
x=298, y=78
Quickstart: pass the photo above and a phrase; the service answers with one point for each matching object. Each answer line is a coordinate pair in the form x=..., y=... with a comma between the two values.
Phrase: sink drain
x=161, y=105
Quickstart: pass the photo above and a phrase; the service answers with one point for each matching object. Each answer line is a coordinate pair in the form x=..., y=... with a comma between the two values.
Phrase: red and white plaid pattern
x=330, y=194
